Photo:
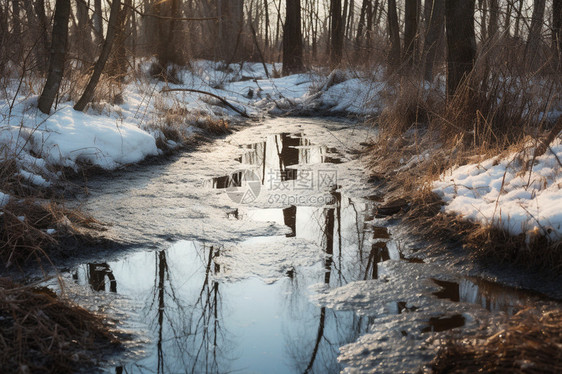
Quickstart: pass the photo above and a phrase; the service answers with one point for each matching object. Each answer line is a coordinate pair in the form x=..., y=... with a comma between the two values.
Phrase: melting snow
x=499, y=192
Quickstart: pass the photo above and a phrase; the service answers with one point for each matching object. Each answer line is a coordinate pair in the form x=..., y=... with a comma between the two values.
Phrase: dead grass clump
x=39, y=332
x=410, y=106
x=532, y=251
x=531, y=342
x=213, y=125
x=30, y=230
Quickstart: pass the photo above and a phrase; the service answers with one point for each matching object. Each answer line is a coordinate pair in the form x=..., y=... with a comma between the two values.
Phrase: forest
x=279, y=186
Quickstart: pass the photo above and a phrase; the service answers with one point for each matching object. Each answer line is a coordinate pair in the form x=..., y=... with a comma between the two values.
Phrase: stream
x=262, y=252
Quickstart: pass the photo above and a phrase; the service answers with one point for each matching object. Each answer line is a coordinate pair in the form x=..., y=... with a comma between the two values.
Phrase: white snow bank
x=497, y=192
x=68, y=137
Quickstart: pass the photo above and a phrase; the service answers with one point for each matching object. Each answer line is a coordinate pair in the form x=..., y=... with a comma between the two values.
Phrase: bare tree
x=97, y=21
x=336, y=35
x=292, y=38
x=112, y=29
x=557, y=30
x=57, y=57
x=231, y=22
x=434, y=35
x=410, y=31
x=534, y=39
x=394, y=34
x=461, y=41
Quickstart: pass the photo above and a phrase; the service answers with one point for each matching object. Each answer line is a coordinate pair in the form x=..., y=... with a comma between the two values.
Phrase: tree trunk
x=39, y=8
x=493, y=26
x=461, y=41
x=57, y=56
x=394, y=34
x=82, y=37
x=557, y=30
x=410, y=31
x=117, y=66
x=534, y=40
x=518, y=18
x=292, y=39
x=434, y=35
x=483, y=7
x=4, y=33
x=231, y=22
x=336, y=35
x=112, y=29
x=361, y=25
x=266, y=26
x=98, y=23
x=15, y=41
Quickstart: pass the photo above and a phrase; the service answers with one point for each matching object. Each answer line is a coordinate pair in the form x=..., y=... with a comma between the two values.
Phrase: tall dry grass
x=498, y=109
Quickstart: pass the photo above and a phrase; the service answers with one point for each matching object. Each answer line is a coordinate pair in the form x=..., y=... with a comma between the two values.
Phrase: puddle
x=489, y=295
x=238, y=295
x=210, y=308
x=438, y=324
x=271, y=162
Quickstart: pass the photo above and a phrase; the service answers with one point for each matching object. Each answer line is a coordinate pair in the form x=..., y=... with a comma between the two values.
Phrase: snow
x=500, y=192
x=110, y=136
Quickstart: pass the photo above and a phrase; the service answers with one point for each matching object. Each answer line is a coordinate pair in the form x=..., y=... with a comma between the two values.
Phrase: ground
x=514, y=192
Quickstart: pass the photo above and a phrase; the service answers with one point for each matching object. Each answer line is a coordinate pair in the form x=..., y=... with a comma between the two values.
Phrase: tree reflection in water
x=193, y=345
x=333, y=328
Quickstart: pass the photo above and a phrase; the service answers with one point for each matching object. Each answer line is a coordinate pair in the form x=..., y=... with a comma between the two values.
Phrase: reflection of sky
x=261, y=328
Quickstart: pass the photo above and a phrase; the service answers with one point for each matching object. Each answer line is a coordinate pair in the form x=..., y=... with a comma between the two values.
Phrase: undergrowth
x=30, y=229
x=530, y=342
x=423, y=133
x=42, y=333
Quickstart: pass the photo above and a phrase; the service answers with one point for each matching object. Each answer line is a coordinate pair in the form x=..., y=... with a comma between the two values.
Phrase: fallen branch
x=221, y=99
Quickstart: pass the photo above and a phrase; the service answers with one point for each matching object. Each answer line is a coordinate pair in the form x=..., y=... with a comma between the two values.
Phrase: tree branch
x=221, y=99
x=169, y=18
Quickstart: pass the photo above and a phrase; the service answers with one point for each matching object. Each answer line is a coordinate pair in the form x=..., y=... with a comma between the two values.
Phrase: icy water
x=261, y=253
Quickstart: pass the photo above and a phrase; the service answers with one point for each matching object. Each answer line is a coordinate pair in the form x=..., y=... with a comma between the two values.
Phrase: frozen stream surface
x=261, y=253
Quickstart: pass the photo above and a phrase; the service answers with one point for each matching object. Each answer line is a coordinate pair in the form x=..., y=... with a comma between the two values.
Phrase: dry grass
x=531, y=342
x=423, y=133
x=24, y=225
x=39, y=332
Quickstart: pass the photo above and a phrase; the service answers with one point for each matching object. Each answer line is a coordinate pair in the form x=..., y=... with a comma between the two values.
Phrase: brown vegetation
x=530, y=342
x=24, y=226
x=40, y=332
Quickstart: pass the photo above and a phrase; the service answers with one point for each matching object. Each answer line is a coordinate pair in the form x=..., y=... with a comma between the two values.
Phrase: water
x=234, y=240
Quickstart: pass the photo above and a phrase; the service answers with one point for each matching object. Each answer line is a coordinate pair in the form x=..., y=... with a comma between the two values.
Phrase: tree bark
x=117, y=66
x=493, y=26
x=336, y=35
x=231, y=14
x=98, y=22
x=39, y=7
x=57, y=56
x=112, y=29
x=434, y=35
x=292, y=39
x=534, y=40
x=410, y=31
x=394, y=34
x=557, y=30
x=361, y=25
x=461, y=41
